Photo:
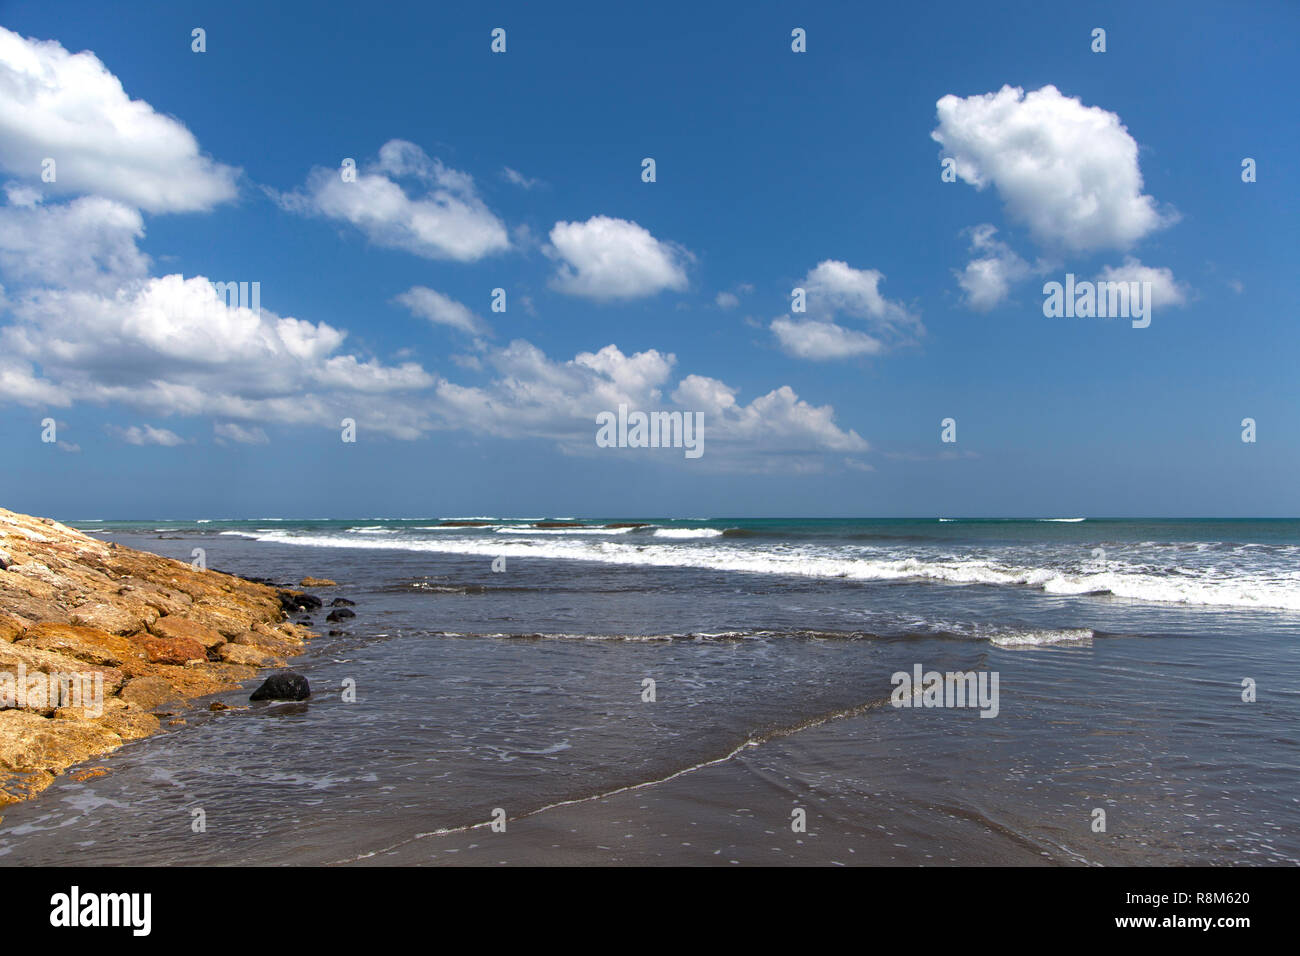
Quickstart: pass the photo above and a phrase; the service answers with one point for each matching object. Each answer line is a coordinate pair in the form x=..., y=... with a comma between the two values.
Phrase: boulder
x=340, y=614
x=342, y=602
x=283, y=686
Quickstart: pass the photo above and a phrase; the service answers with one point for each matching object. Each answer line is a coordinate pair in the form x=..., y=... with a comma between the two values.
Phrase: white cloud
x=987, y=280
x=832, y=289
x=816, y=340
x=238, y=433
x=101, y=332
x=442, y=310
x=70, y=108
x=1166, y=291
x=1067, y=171
x=727, y=300
x=533, y=396
x=519, y=179
x=146, y=435
x=606, y=258
x=87, y=243
x=449, y=221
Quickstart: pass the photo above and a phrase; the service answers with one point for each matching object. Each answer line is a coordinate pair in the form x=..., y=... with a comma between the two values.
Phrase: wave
x=1079, y=637
x=689, y=532
x=1200, y=589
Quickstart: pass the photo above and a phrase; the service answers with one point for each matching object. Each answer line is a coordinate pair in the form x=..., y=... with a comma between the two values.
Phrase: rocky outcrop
x=93, y=637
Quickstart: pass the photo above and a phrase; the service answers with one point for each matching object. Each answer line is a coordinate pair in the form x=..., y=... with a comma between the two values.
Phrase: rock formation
x=94, y=637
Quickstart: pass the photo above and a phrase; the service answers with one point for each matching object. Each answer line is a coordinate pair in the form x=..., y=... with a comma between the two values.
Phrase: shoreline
x=96, y=640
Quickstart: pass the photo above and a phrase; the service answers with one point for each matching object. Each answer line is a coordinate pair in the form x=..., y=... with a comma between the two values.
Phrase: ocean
x=703, y=690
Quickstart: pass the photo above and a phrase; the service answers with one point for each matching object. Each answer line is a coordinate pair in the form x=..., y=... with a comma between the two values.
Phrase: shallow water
x=522, y=690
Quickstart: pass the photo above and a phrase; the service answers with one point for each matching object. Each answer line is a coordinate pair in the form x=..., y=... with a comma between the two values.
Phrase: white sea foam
x=1226, y=588
x=688, y=532
x=1079, y=637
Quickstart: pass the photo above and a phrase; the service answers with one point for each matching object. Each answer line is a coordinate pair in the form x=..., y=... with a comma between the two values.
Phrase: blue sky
x=774, y=170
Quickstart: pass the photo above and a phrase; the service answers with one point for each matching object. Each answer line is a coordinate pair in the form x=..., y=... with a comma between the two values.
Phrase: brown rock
x=174, y=627
x=131, y=725
x=91, y=773
x=227, y=621
x=171, y=650
x=83, y=643
x=147, y=693
x=245, y=654
x=29, y=742
x=11, y=627
x=124, y=618
x=317, y=583
x=23, y=786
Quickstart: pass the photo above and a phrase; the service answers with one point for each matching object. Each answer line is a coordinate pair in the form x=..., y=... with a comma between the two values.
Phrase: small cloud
x=146, y=435
x=519, y=179
x=727, y=300
x=857, y=465
x=1165, y=290
x=606, y=258
x=442, y=310
x=68, y=447
x=240, y=434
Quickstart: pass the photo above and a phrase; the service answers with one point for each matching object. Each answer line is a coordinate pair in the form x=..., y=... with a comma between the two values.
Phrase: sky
x=921, y=173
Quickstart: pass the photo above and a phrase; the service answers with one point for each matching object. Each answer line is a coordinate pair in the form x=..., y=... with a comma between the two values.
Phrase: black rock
x=342, y=602
x=291, y=601
x=284, y=686
x=303, y=620
x=342, y=614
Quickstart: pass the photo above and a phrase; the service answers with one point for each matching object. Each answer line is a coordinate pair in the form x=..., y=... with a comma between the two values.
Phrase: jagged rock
x=342, y=614
x=285, y=686
x=317, y=583
x=74, y=606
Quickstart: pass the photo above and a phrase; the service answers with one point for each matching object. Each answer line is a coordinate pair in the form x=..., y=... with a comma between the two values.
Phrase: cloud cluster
x=835, y=289
x=534, y=396
x=987, y=280
x=70, y=108
x=88, y=321
x=1067, y=171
